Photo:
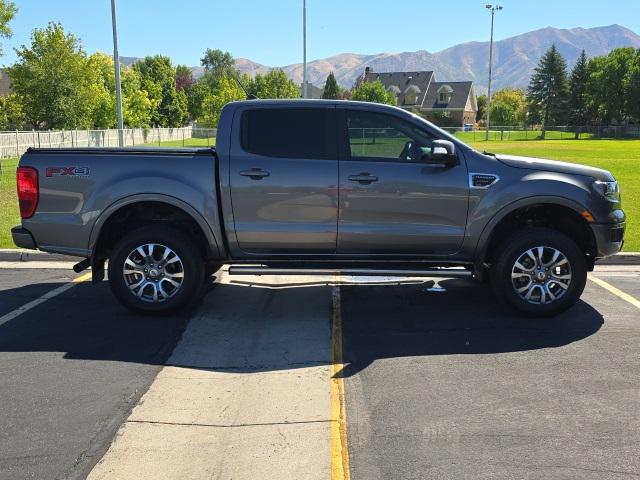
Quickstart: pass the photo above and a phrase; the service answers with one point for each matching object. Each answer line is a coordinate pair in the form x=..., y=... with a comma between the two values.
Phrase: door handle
x=255, y=173
x=364, y=178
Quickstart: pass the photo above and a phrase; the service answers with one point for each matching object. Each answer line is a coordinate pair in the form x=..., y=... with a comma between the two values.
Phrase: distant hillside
x=514, y=57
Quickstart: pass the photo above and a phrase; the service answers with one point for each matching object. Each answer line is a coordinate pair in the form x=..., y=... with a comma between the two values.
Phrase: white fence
x=14, y=144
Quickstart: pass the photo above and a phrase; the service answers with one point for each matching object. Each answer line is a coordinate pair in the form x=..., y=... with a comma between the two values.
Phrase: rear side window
x=289, y=132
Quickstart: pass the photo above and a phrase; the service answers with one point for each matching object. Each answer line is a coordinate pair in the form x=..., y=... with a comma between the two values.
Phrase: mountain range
x=514, y=58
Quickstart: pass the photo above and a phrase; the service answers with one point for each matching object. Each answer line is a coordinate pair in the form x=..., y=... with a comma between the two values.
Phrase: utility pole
x=304, y=48
x=116, y=62
x=493, y=9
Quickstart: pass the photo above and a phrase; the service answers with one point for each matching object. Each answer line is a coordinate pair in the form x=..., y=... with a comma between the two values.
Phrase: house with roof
x=420, y=93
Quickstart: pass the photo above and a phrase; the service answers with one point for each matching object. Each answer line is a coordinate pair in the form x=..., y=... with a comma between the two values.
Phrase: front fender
x=512, y=207
x=521, y=189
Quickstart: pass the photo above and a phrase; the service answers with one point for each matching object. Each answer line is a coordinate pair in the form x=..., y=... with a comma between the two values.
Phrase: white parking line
x=47, y=296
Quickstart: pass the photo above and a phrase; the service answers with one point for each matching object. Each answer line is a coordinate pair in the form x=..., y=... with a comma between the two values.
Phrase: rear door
x=284, y=180
x=393, y=198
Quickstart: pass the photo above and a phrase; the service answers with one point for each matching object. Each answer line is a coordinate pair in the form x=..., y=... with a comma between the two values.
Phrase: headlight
x=609, y=190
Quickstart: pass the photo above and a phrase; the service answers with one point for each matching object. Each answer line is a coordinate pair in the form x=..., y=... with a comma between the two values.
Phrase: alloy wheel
x=153, y=272
x=541, y=275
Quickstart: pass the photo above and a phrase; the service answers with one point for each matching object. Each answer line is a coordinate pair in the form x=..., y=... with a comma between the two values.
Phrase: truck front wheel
x=155, y=269
x=539, y=272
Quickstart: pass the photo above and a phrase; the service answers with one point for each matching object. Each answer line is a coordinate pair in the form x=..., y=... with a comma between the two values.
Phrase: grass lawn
x=621, y=157
x=188, y=142
x=511, y=135
x=9, y=211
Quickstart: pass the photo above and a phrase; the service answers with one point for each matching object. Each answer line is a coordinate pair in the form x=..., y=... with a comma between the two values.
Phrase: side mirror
x=443, y=151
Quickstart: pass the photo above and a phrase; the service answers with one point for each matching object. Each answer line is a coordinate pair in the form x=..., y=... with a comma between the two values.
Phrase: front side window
x=289, y=132
x=381, y=137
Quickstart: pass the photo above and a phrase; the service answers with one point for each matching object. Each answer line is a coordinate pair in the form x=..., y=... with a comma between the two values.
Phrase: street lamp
x=493, y=9
x=116, y=62
x=304, y=48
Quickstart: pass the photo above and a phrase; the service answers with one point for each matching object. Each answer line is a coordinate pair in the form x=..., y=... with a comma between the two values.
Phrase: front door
x=393, y=199
x=283, y=178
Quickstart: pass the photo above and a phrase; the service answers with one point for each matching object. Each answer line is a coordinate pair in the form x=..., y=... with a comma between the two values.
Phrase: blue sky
x=269, y=31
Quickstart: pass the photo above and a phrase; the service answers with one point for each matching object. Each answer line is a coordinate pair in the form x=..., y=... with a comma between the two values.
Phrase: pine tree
x=331, y=89
x=578, y=112
x=548, y=90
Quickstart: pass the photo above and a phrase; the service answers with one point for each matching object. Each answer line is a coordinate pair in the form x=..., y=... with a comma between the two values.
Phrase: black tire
x=191, y=265
x=514, y=248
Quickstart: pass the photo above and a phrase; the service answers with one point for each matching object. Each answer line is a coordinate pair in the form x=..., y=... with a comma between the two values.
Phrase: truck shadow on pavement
x=457, y=317
x=86, y=323
x=249, y=327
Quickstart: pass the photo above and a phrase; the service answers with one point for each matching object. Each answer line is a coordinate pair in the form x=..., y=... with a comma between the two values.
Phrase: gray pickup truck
x=308, y=187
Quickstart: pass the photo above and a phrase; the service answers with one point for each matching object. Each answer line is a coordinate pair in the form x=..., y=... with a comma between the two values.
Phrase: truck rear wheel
x=155, y=269
x=539, y=272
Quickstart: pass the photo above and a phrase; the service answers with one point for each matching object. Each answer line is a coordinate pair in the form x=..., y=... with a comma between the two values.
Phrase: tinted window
x=289, y=132
x=376, y=136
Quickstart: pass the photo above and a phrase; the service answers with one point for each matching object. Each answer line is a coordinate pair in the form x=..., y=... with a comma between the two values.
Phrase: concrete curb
x=622, y=258
x=18, y=255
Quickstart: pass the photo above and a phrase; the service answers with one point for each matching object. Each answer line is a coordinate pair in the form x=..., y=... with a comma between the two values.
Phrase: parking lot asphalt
x=445, y=384
x=439, y=382
x=71, y=369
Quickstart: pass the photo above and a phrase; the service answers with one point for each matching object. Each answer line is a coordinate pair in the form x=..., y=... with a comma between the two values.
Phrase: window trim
x=331, y=123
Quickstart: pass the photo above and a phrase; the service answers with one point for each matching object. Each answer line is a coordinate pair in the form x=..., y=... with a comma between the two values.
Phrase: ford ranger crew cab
x=319, y=186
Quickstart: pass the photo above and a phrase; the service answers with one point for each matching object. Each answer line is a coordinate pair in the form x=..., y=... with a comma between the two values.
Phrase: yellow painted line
x=339, y=446
x=47, y=296
x=616, y=291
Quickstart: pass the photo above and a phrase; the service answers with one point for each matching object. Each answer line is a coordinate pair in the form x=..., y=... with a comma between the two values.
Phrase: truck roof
x=310, y=102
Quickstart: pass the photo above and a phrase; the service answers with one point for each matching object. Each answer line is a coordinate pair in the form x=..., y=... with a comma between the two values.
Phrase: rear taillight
x=27, y=180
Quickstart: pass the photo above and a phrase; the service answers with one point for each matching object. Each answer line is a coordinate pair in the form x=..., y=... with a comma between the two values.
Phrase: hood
x=554, y=166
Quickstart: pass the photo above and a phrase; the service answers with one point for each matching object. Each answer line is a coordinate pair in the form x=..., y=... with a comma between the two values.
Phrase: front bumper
x=609, y=238
x=23, y=238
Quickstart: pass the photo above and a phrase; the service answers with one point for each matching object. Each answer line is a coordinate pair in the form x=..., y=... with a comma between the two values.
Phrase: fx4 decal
x=67, y=171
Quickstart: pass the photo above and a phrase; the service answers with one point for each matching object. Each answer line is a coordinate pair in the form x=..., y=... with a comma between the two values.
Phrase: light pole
x=116, y=62
x=304, y=48
x=493, y=9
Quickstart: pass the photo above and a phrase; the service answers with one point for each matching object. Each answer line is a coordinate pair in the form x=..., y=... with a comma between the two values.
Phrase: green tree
x=54, y=79
x=548, y=90
x=331, y=89
x=373, y=92
x=102, y=95
x=136, y=104
x=274, y=84
x=218, y=65
x=607, y=89
x=516, y=100
x=184, y=78
x=578, y=109
x=228, y=90
x=7, y=12
x=195, y=96
x=481, y=114
x=11, y=112
x=503, y=114
x=158, y=78
x=633, y=87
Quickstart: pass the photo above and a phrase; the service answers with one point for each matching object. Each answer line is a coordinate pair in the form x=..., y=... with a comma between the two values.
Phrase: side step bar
x=433, y=272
